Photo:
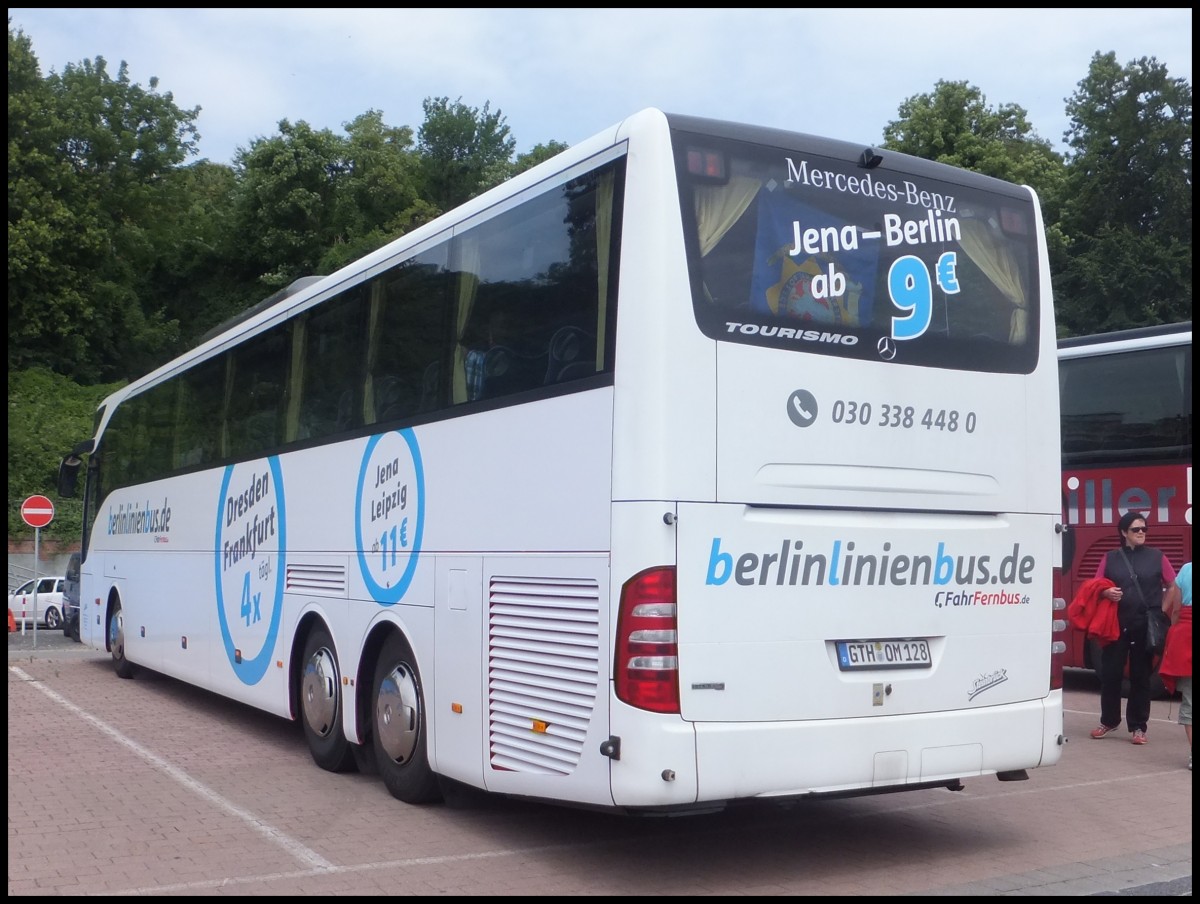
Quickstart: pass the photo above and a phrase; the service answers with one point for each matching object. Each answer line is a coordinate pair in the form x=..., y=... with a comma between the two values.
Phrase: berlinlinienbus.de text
x=138, y=520
x=843, y=566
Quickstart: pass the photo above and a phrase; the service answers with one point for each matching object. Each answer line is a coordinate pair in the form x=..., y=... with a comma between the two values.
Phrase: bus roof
x=1127, y=340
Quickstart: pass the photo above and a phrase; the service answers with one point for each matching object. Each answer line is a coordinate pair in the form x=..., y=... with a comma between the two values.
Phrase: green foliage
x=1127, y=203
x=121, y=255
x=536, y=155
x=48, y=414
x=285, y=201
x=955, y=125
x=90, y=178
x=1118, y=208
x=464, y=151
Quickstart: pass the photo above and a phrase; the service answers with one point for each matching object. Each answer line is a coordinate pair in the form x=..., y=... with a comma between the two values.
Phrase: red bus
x=1126, y=408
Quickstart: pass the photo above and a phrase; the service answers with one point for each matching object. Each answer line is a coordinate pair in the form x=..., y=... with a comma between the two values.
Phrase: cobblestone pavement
x=151, y=787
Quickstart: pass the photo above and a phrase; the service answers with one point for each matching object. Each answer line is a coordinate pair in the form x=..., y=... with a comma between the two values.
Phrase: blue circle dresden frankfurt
x=389, y=514
x=250, y=564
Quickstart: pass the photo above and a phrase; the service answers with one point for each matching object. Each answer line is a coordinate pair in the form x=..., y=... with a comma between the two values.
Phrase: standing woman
x=1176, y=665
x=1141, y=574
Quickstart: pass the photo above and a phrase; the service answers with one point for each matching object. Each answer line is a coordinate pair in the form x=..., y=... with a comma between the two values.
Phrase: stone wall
x=51, y=559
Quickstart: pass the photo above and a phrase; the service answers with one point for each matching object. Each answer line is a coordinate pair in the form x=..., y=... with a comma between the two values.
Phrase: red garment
x=1177, y=654
x=1093, y=613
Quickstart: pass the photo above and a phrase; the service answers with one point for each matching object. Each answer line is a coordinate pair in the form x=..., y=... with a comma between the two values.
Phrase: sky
x=566, y=74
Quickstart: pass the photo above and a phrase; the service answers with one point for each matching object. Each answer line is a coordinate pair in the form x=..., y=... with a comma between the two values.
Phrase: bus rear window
x=786, y=244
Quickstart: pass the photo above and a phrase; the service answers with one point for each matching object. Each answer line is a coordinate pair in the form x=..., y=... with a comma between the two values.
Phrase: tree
x=536, y=155
x=954, y=124
x=1127, y=206
x=380, y=197
x=285, y=202
x=41, y=234
x=464, y=151
x=91, y=160
x=193, y=275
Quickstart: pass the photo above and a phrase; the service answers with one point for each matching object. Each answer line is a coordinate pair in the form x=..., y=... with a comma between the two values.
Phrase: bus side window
x=409, y=327
x=572, y=355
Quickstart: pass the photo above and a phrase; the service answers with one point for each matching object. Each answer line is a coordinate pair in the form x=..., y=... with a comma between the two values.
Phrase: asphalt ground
x=184, y=793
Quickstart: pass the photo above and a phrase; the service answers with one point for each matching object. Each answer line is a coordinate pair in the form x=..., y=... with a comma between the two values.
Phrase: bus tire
x=364, y=758
x=398, y=725
x=321, y=702
x=116, y=643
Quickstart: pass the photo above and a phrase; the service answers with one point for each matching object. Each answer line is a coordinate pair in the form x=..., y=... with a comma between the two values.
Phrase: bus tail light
x=1058, y=642
x=646, y=670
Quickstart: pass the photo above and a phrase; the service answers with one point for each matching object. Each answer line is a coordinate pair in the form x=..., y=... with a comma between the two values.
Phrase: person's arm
x=1111, y=593
x=1173, y=602
x=1168, y=573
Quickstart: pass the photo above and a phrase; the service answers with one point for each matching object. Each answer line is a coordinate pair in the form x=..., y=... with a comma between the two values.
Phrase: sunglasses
x=1137, y=530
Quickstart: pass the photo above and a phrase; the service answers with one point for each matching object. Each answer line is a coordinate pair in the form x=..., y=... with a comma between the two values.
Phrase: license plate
x=910, y=653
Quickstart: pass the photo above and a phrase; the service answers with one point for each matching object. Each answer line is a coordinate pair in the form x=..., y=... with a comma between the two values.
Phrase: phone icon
x=802, y=408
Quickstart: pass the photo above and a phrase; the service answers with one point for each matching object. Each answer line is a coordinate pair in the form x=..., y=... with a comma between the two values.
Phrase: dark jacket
x=1147, y=576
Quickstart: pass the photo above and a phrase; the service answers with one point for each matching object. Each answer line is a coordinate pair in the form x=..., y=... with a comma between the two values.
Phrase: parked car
x=49, y=602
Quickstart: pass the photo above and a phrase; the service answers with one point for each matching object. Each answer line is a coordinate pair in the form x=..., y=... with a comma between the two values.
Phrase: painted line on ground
x=302, y=853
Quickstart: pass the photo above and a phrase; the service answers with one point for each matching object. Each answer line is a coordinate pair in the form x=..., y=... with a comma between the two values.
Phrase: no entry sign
x=38, y=511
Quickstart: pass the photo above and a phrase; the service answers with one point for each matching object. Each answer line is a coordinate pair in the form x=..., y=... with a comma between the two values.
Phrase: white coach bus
x=702, y=462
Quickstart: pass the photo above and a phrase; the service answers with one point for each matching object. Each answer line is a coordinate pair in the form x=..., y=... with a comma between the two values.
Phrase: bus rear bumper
x=884, y=753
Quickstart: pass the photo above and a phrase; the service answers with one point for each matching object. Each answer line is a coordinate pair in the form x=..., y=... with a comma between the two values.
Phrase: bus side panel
x=664, y=420
x=546, y=676
x=457, y=703
x=520, y=662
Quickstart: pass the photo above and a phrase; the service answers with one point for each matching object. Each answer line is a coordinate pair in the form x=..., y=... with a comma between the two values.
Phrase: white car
x=49, y=602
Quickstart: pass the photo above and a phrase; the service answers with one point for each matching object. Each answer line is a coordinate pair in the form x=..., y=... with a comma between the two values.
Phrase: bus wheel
x=116, y=643
x=320, y=703
x=364, y=758
x=398, y=728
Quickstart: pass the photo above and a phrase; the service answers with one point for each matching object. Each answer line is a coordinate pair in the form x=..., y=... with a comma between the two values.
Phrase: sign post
x=37, y=511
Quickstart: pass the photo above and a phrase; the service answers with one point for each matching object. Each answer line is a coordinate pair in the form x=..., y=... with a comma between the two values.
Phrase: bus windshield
x=788, y=245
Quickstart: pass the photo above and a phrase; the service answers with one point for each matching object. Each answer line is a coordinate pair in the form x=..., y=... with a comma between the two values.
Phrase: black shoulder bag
x=1157, y=623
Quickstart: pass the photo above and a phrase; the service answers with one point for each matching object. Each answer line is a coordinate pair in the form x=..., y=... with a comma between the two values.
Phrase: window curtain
x=718, y=207
x=466, y=258
x=998, y=265
x=604, y=227
x=295, y=391
x=374, y=341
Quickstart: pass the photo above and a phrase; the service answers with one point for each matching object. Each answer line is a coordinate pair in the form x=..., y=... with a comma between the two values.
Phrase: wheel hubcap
x=397, y=714
x=319, y=692
x=116, y=635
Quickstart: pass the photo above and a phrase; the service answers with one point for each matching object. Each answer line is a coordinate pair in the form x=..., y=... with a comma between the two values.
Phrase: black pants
x=1112, y=671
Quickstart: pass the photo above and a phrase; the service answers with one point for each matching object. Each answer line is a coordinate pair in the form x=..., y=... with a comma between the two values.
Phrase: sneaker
x=1103, y=730
x=1139, y=737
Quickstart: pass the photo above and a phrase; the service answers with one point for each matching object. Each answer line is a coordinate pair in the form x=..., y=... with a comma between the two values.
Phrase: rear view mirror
x=68, y=469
